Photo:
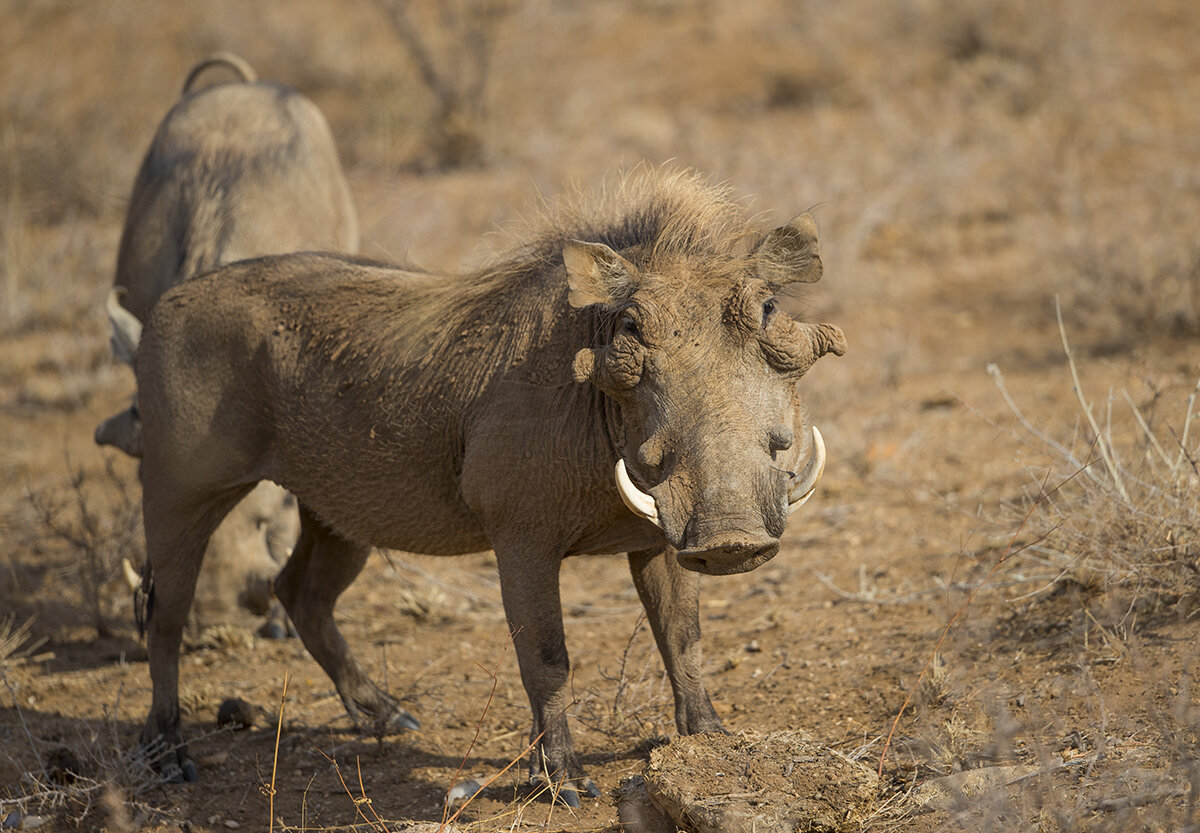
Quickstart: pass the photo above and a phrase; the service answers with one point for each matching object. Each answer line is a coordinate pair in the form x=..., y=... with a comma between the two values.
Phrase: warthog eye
x=629, y=326
x=770, y=306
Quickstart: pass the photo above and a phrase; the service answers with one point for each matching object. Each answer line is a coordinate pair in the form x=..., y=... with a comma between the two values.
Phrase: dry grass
x=1129, y=525
x=1105, y=555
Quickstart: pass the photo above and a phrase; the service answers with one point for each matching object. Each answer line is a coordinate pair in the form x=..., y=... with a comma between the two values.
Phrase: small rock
x=64, y=767
x=462, y=791
x=215, y=759
x=231, y=824
x=12, y=821
x=235, y=714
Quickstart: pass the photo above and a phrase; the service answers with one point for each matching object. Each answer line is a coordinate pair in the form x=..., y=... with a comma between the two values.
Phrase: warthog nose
x=781, y=438
x=728, y=559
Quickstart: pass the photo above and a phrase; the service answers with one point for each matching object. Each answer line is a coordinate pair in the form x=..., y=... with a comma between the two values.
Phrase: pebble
x=462, y=791
x=235, y=714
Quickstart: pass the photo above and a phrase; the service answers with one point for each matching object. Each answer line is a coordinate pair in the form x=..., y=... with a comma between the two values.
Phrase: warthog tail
x=227, y=59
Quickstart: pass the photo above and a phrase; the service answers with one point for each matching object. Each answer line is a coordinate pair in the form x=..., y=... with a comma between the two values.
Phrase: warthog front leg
x=529, y=586
x=322, y=566
x=671, y=596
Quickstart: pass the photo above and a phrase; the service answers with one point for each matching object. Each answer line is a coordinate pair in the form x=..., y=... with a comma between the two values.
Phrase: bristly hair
x=507, y=307
x=655, y=212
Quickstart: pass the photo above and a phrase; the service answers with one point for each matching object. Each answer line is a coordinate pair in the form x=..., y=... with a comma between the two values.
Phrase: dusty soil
x=748, y=781
x=966, y=164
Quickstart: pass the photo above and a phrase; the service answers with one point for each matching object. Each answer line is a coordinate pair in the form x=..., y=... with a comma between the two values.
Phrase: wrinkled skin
x=451, y=414
x=235, y=170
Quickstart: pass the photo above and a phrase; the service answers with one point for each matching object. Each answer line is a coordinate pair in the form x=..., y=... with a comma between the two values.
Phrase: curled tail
x=226, y=59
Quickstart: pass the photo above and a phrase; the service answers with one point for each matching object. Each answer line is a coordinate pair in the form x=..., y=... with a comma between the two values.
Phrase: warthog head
x=702, y=365
x=123, y=430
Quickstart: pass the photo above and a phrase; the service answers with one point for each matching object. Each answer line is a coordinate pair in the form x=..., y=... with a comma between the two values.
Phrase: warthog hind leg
x=322, y=566
x=177, y=531
x=671, y=596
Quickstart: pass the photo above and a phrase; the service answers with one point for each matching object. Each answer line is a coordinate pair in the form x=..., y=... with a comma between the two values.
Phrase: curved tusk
x=131, y=575
x=805, y=483
x=126, y=328
x=639, y=503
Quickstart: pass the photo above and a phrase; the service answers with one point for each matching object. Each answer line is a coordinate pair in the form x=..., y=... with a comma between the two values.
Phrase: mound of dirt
x=780, y=782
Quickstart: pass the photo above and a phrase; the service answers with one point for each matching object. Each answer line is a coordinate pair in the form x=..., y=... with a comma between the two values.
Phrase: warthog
x=235, y=170
x=626, y=382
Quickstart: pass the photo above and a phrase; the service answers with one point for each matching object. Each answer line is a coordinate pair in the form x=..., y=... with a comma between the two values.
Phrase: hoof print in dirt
x=637, y=813
x=781, y=782
x=236, y=714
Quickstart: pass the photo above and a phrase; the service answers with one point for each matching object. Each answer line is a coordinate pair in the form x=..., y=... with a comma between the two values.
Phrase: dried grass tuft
x=1129, y=526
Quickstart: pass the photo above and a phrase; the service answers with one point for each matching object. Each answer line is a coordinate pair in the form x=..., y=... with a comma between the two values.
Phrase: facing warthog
x=631, y=356
x=235, y=170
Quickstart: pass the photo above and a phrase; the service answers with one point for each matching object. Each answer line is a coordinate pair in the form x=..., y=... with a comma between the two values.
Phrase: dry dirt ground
x=966, y=162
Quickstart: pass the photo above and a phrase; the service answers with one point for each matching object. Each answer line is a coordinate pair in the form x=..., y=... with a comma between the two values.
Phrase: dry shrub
x=98, y=532
x=635, y=712
x=1131, y=267
x=450, y=44
x=1125, y=523
x=86, y=779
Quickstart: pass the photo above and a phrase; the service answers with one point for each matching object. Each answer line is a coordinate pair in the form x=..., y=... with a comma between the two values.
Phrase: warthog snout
x=723, y=559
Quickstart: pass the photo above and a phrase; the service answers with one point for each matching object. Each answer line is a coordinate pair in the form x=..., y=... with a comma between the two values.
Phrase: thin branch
x=275, y=756
x=1101, y=444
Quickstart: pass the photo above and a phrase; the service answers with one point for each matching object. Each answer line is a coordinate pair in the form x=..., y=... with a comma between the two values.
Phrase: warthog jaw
x=805, y=483
x=800, y=488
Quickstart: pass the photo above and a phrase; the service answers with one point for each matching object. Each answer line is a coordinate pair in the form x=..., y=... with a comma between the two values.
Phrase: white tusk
x=639, y=503
x=131, y=575
x=812, y=473
x=126, y=328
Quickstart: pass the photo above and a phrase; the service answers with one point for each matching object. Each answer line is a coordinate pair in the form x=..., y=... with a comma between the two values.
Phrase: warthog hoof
x=381, y=716
x=170, y=759
x=180, y=771
x=274, y=629
x=403, y=721
x=566, y=792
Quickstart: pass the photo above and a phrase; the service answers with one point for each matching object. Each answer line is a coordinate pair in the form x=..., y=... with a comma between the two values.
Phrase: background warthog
x=447, y=414
x=235, y=170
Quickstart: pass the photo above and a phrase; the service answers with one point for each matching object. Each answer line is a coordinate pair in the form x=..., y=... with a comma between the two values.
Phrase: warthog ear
x=790, y=254
x=126, y=329
x=596, y=274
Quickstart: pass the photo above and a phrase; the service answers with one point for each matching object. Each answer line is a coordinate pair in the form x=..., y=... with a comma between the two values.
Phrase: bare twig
x=1101, y=443
x=275, y=756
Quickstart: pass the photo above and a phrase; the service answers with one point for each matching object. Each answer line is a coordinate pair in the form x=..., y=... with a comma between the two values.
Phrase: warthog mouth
x=728, y=559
